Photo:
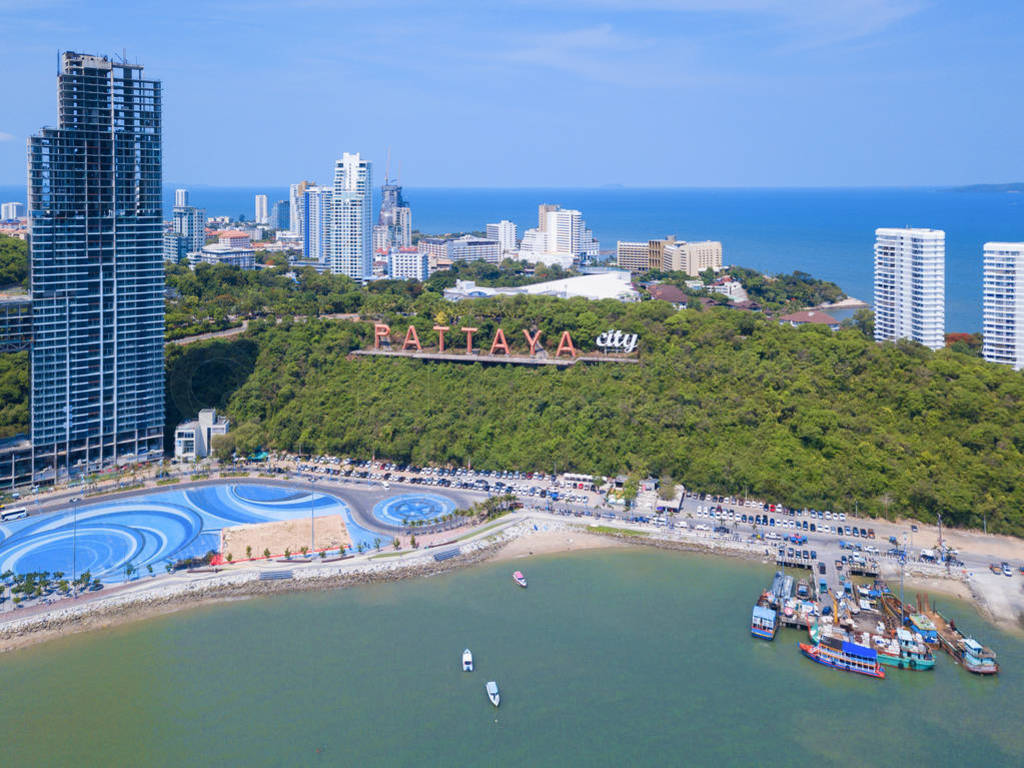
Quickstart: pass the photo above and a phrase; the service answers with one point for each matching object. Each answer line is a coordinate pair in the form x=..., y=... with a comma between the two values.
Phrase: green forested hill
x=724, y=400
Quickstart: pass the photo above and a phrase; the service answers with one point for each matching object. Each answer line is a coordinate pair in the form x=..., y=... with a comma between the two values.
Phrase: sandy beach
x=549, y=542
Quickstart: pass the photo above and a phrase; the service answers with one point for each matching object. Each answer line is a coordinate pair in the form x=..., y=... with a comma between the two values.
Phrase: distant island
x=1013, y=186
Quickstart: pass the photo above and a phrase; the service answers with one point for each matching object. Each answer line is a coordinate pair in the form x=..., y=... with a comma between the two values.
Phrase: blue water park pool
x=155, y=529
x=410, y=508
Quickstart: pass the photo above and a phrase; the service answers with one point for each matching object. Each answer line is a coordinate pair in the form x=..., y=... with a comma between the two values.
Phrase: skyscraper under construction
x=94, y=194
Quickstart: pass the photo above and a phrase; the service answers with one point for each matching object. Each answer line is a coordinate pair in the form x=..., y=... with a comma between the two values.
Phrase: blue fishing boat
x=763, y=621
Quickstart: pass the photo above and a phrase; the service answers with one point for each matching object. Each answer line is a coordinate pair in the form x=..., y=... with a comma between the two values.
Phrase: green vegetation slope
x=724, y=401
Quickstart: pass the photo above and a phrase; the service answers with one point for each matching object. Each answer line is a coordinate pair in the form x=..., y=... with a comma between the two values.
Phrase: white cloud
x=6, y=136
x=596, y=53
x=813, y=22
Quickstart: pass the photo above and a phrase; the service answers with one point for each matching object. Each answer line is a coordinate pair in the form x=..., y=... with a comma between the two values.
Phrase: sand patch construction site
x=292, y=535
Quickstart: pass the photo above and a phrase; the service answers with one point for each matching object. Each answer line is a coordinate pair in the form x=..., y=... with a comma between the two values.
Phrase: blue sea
x=827, y=232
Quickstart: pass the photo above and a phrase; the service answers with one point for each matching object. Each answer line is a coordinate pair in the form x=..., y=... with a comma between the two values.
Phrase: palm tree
x=248, y=551
x=304, y=549
x=266, y=553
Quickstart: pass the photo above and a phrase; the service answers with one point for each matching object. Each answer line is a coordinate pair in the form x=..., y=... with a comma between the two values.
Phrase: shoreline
x=516, y=539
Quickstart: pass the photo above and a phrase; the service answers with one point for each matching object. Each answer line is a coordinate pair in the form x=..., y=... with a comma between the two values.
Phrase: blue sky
x=551, y=92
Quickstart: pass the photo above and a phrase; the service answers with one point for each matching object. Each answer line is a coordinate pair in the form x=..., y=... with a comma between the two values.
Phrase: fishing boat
x=972, y=655
x=763, y=620
x=519, y=579
x=905, y=651
x=830, y=647
x=492, y=693
x=467, y=660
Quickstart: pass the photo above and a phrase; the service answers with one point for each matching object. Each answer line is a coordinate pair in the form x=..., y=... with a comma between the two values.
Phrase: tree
x=304, y=550
x=412, y=541
x=287, y=553
x=666, y=488
x=376, y=543
x=266, y=553
x=248, y=551
x=396, y=544
x=229, y=557
x=149, y=567
x=223, y=447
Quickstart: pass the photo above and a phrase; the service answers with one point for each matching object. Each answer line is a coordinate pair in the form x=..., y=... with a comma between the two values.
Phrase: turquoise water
x=609, y=658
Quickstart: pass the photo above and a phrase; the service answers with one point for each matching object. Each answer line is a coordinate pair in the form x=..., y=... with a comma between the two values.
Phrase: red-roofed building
x=669, y=293
x=809, y=317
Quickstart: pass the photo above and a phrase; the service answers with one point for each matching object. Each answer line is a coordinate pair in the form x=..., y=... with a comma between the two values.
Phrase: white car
x=772, y=536
x=842, y=516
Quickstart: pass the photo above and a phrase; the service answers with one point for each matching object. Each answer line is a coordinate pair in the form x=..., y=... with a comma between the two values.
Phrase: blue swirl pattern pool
x=155, y=528
x=409, y=508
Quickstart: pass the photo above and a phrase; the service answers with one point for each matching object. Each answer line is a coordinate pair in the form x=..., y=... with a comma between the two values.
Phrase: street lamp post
x=74, y=540
x=312, y=532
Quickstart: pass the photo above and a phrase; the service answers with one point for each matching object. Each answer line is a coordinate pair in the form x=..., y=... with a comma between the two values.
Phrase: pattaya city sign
x=616, y=341
x=447, y=341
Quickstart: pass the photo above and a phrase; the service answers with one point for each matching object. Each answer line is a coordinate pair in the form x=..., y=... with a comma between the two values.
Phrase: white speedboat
x=467, y=660
x=519, y=579
x=492, y=693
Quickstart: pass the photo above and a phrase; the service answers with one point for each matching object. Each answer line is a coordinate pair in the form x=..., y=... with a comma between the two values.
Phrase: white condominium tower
x=261, y=209
x=317, y=203
x=506, y=233
x=1003, y=324
x=910, y=285
x=180, y=197
x=351, y=242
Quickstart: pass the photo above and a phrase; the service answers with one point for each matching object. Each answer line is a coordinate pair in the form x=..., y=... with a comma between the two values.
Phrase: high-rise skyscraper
x=395, y=217
x=910, y=285
x=261, y=209
x=1003, y=307
x=296, y=204
x=316, y=223
x=96, y=223
x=180, y=198
x=351, y=242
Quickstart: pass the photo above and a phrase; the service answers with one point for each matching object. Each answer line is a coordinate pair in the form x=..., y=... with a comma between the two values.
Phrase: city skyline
x=793, y=94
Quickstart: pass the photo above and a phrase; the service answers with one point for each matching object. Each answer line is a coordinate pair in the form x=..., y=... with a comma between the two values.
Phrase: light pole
x=74, y=540
x=903, y=561
x=312, y=533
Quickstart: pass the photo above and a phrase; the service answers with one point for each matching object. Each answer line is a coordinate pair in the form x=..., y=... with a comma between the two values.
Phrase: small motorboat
x=492, y=693
x=467, y=660
x=519, y=579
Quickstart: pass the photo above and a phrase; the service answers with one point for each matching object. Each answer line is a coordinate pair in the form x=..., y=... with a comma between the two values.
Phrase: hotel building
x=1003, y=304
x=910, y=285
x=506, y=233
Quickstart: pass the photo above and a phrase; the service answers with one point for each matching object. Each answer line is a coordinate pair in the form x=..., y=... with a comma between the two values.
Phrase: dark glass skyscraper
x=97, y=270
